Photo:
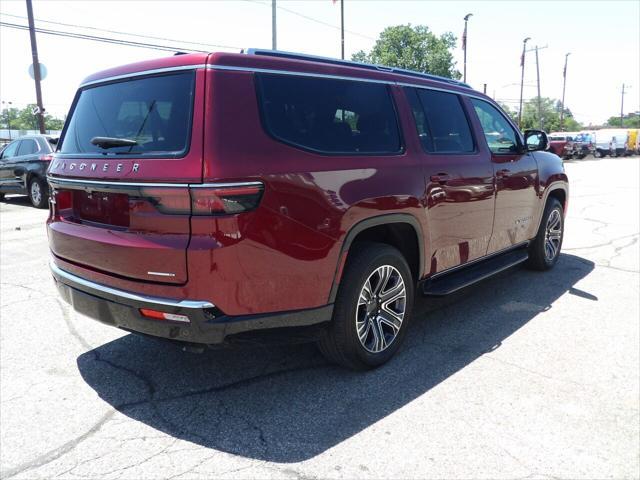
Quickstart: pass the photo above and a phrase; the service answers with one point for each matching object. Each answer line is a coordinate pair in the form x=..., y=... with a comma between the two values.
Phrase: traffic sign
x=43, y=71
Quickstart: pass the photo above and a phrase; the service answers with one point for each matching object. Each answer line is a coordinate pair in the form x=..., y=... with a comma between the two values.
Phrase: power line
x=59, y=33
x=312, y=19
x=125, y=33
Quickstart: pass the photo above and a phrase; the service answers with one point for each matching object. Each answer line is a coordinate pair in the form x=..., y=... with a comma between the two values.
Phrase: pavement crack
x=58, y=452
x=64, y=310
x=599, y=245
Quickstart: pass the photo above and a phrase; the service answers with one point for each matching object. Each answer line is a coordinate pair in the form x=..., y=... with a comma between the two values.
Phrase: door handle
x=440, y=178
x=503, y=173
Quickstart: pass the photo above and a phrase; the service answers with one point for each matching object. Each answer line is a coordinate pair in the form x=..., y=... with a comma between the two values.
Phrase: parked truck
x=633, y=142
x=561, y=143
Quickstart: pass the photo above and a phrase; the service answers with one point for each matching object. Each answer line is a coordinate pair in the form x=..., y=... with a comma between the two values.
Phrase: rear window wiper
x=111, y=142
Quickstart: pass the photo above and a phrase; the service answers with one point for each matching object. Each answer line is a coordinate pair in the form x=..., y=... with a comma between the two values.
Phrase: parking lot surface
x=526, y=375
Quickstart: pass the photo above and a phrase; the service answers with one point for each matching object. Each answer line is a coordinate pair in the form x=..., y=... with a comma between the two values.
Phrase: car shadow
x=285, y=403
x=12, y=199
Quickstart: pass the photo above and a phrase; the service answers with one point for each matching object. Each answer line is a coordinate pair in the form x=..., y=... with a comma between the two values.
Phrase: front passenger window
x=500, y=135
x=10, y=151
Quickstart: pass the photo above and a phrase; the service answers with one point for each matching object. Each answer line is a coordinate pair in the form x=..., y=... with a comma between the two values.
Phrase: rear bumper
x=206, y=325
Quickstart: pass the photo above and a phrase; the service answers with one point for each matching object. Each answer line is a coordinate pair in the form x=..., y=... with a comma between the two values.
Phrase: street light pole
x=524, y=47
x=539, y=97
x=36, y=67
x=564, y=86
x=274, y=36
x=464, y=44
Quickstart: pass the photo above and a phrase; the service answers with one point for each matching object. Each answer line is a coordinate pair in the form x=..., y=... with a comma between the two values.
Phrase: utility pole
x=342, y=27
x=538, y=84
x=36, y=67
x=564, y=86
x=464, y=44
x=524, y=50
x=622, y=108
x=274, y=35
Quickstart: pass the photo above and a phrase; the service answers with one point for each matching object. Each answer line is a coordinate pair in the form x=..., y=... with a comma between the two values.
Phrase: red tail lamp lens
x=63, y=199
x=169, y=200
x=204, y=200
x=225, y=200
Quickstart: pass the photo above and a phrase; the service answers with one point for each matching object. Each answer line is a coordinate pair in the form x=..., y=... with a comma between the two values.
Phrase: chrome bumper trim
x=166, y=302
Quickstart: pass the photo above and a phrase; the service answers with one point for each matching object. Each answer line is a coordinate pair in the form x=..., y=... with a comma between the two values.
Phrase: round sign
x=43, y=71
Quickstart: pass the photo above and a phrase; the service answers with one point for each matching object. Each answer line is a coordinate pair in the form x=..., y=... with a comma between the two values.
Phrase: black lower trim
x=463, y=277
x=204, y=327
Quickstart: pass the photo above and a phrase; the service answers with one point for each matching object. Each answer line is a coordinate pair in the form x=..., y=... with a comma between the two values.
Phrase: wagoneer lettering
x=281, y=190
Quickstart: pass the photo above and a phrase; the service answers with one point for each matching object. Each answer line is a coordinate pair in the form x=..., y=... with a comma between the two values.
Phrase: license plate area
x=105, y=208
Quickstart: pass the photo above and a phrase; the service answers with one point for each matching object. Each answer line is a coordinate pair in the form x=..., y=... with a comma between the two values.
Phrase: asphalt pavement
x=526, y=375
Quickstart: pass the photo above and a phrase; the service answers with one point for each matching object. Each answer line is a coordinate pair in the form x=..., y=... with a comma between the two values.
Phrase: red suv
x=200, y=197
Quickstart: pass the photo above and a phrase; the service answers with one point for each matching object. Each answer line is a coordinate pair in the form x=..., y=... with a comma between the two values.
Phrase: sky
x=603, y=38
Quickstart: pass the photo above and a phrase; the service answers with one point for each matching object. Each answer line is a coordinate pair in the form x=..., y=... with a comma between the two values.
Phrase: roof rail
x=348, y=63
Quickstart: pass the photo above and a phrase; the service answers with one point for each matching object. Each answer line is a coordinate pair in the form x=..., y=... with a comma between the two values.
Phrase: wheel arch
x=558, y=190
x=400, y=230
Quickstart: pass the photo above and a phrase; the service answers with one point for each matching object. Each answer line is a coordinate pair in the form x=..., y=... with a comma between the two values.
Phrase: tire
x=353, y=338
x=1, y=196
x=38, y=192
x=544, y=250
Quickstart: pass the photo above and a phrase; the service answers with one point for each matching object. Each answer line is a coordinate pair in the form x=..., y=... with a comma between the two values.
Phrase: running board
x=465, y=276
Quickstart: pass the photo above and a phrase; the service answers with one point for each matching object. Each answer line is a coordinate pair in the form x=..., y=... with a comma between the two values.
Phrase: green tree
x=414, y=48
x=630, y=120
x=510, y=111
x=24, y=119
x=550, y=110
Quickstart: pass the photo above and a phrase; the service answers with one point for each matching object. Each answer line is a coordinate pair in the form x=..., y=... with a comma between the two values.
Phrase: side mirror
x=535, y=140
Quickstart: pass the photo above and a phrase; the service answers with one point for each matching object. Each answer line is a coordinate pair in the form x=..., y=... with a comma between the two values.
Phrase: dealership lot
x=525, y=375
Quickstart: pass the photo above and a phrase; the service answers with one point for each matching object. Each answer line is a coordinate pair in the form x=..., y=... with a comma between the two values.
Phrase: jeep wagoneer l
x=202, y=196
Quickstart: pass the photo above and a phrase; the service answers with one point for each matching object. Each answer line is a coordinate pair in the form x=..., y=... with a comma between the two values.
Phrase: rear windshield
x=142, y=116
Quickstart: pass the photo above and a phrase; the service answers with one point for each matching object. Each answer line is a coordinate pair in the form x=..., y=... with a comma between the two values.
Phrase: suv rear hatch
x=117, y=206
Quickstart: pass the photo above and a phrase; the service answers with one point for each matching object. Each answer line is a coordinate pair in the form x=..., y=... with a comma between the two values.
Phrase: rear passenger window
x=329, y=116
x=441, y=122
x=27, y=147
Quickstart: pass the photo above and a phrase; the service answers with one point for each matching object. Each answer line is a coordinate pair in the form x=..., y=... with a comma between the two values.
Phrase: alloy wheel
x=553, y=235
x=36, y=193
x=381, y=309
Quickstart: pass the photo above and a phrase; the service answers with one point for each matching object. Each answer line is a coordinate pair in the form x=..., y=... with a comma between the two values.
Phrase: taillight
x=173, y=200
x=204, y=200
x=62, y=199
x=217, y=200
x=46, y=158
